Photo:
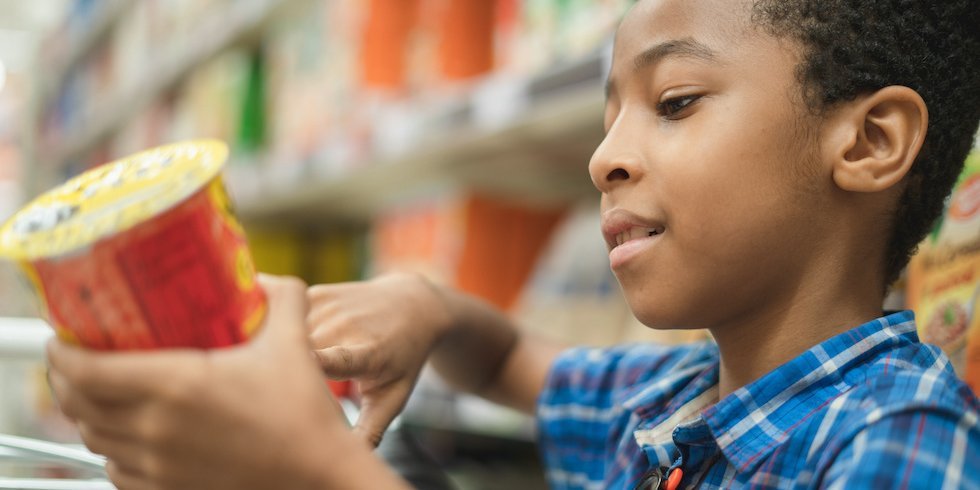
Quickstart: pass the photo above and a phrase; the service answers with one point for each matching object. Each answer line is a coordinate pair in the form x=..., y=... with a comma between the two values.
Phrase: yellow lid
x=110, y=198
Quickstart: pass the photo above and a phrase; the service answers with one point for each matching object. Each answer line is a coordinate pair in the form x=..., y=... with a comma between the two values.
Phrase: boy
x=765, y=174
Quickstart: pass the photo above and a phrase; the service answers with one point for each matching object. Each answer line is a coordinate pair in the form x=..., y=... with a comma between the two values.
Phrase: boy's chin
x=665, y=327
x=662, y=320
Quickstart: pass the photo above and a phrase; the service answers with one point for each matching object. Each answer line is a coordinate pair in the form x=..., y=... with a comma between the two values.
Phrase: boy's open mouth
x=637, y=232
x=621, y=226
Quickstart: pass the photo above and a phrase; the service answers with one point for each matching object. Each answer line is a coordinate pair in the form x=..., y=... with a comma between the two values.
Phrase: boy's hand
x=379, y=332
x=251, y=416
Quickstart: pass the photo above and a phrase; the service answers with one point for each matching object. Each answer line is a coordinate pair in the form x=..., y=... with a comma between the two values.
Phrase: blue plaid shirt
x=870, y=408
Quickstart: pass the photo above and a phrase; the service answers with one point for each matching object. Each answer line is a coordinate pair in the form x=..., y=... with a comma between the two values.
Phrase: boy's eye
x=672, y=108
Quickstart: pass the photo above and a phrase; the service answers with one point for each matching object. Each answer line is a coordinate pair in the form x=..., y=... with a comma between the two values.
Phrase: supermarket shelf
x=214, y=35
x=52, y=484
x=469, y=415
x=80, y=45
x=533, y=150
x=539, y=154
x=46, y=451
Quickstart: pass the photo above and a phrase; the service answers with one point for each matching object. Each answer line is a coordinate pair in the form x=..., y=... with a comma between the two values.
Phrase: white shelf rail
x=23, y=339
x=51, y=484
x=33, y=451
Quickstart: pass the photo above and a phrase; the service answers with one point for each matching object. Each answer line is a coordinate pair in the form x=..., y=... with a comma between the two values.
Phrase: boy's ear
x=874, y=140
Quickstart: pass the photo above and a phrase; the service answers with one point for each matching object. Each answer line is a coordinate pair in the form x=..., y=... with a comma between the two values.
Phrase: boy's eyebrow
x=683, y=48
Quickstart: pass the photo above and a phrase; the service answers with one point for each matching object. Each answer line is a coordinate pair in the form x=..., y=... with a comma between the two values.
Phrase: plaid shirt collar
x=751, y=422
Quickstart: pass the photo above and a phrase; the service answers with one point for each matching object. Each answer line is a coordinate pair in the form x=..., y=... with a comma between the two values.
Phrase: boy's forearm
x=483, y=352
x=474, y=347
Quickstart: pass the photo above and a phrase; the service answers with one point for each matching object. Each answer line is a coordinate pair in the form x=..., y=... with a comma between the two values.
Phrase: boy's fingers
x=108, y=444
x=325, y=291
x=115, y=376
x=378, y=411
x=124, y=477
x=107, y=417
x=343, y=361
x=319, y=292
x=321, y=324
x=285, y=321
x=69, y=401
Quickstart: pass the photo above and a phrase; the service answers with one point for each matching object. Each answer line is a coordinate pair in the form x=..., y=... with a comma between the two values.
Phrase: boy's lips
x=626, y=233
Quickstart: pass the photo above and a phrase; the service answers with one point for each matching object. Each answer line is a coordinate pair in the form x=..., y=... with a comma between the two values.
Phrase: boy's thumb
x=342, y=362
x=377, y=412
x=285, y=319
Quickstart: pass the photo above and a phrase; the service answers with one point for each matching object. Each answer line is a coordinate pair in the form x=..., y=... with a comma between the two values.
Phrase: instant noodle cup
x=141, y=253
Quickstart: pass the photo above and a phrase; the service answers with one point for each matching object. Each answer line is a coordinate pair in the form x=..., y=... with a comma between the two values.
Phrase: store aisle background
x=23, y=26
x=449, y=137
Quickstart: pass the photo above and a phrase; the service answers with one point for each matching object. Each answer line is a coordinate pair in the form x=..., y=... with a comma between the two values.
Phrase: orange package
x=384, y=52
x=944, y=278
x=466, y=40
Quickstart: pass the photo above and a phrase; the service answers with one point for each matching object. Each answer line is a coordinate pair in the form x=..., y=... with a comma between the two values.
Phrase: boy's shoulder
x=908, y=412
x=916, y=377
x=909, y=392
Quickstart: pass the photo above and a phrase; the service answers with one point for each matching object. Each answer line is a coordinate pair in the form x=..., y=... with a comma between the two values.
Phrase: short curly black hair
x=854, y=47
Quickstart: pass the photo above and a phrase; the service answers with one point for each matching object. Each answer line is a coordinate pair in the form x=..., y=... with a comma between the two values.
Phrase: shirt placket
x=696, y=451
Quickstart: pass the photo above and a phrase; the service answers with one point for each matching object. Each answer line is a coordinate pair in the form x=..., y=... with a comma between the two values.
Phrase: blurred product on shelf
x=484, y=246
x=279, y=252
x=466, y=39
x=290, y=82
x=387, y=32
x=252, y=128
x=422, y=235
x=337, y=255
x=502, y=242
x=15, y=297
x=316, y=256
x=944, y=278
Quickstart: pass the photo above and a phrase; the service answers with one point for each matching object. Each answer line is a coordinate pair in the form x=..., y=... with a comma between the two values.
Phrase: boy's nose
x=611, y=167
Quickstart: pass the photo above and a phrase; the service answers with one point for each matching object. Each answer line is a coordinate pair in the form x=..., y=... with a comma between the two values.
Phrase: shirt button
x=674, y=479
x=652, y=479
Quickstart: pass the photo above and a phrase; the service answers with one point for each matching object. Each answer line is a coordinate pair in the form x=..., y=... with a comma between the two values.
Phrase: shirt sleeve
x=911, y=449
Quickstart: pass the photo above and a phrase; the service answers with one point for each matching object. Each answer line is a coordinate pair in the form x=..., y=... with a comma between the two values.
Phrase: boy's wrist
x=443, y=305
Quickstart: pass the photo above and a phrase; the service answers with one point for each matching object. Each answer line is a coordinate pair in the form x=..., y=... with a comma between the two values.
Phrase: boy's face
x=706, y=147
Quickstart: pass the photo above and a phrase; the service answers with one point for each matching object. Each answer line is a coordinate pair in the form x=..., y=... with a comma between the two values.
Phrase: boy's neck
x=758, y=344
